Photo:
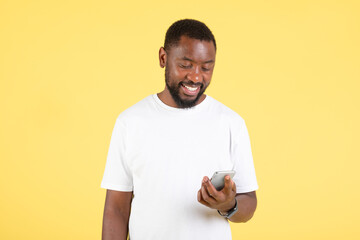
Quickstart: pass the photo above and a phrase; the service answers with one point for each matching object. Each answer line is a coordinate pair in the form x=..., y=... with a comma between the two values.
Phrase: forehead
x=194, y=49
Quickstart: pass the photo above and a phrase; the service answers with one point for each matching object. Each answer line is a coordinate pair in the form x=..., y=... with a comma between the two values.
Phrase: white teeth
x=190, y=88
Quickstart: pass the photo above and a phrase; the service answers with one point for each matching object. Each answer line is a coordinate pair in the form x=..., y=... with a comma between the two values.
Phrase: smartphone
x=218, y=178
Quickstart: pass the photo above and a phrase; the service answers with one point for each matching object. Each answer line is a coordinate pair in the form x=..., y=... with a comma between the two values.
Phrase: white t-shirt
x=162, y=153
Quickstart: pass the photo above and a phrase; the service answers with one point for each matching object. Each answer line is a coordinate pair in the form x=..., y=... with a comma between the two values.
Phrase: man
x=163, y=148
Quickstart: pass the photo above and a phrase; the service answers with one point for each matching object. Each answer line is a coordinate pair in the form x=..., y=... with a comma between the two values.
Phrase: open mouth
x=190, y=90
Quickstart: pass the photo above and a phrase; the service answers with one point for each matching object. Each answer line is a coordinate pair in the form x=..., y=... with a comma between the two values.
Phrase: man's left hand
x=222, y=200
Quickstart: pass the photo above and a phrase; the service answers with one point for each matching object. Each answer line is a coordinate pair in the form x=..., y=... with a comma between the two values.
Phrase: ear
x=162, y=57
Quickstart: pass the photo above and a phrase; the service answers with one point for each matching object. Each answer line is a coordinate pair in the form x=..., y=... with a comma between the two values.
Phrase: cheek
x=207, y=77
x=179, y=73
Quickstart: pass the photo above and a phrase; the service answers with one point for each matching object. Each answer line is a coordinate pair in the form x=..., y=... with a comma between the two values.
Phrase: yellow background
x=289, y=68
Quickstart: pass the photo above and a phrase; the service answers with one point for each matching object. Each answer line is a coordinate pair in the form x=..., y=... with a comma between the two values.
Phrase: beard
x=174, y=90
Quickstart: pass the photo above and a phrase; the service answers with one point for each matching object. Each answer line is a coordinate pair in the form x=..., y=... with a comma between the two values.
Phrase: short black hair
x=190, y=28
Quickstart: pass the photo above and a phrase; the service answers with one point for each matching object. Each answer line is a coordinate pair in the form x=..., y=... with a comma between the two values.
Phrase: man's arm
x=224, y=200
x=116, y=215
x=246, y=207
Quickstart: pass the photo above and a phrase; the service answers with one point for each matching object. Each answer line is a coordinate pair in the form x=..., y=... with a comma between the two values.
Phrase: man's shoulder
x=138, y=110
x=225, y=111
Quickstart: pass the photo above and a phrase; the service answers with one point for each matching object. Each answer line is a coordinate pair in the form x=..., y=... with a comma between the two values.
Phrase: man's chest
x=178, y=152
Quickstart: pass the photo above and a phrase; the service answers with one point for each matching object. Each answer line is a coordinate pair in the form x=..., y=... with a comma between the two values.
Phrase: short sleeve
x=117, y=175
x=245, y=178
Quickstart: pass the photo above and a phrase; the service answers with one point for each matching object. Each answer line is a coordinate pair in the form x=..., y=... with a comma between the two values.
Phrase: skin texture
x=116, y=215
x=191, y=62
x=224, y=200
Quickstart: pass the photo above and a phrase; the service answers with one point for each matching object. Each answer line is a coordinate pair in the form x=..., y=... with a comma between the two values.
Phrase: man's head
x=189, y=58
x=189, y=28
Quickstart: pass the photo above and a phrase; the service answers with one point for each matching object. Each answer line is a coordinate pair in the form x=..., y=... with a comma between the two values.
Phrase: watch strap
x=231, y=212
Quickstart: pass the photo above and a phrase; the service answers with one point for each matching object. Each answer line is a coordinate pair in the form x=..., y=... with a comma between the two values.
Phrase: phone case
x=218, y=178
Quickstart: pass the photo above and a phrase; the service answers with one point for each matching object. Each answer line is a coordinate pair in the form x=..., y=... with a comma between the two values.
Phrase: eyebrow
x=188, y=59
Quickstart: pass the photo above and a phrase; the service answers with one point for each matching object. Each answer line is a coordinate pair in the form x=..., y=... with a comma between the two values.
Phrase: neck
x=166, y=98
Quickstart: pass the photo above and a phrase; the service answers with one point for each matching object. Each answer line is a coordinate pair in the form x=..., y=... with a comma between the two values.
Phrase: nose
x=195, y=76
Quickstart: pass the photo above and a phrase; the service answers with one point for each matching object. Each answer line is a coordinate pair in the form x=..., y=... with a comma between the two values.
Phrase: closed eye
x=185, y=66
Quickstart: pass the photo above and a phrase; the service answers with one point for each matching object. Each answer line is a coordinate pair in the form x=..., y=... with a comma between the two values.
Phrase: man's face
x=189, y=69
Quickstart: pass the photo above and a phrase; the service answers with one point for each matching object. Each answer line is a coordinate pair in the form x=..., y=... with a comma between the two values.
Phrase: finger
x=210, y=188
x=205, y=196
x=201, y=200
x=228, y=185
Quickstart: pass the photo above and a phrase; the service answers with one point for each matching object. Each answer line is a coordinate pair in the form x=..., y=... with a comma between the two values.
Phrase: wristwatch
x=231, y=212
